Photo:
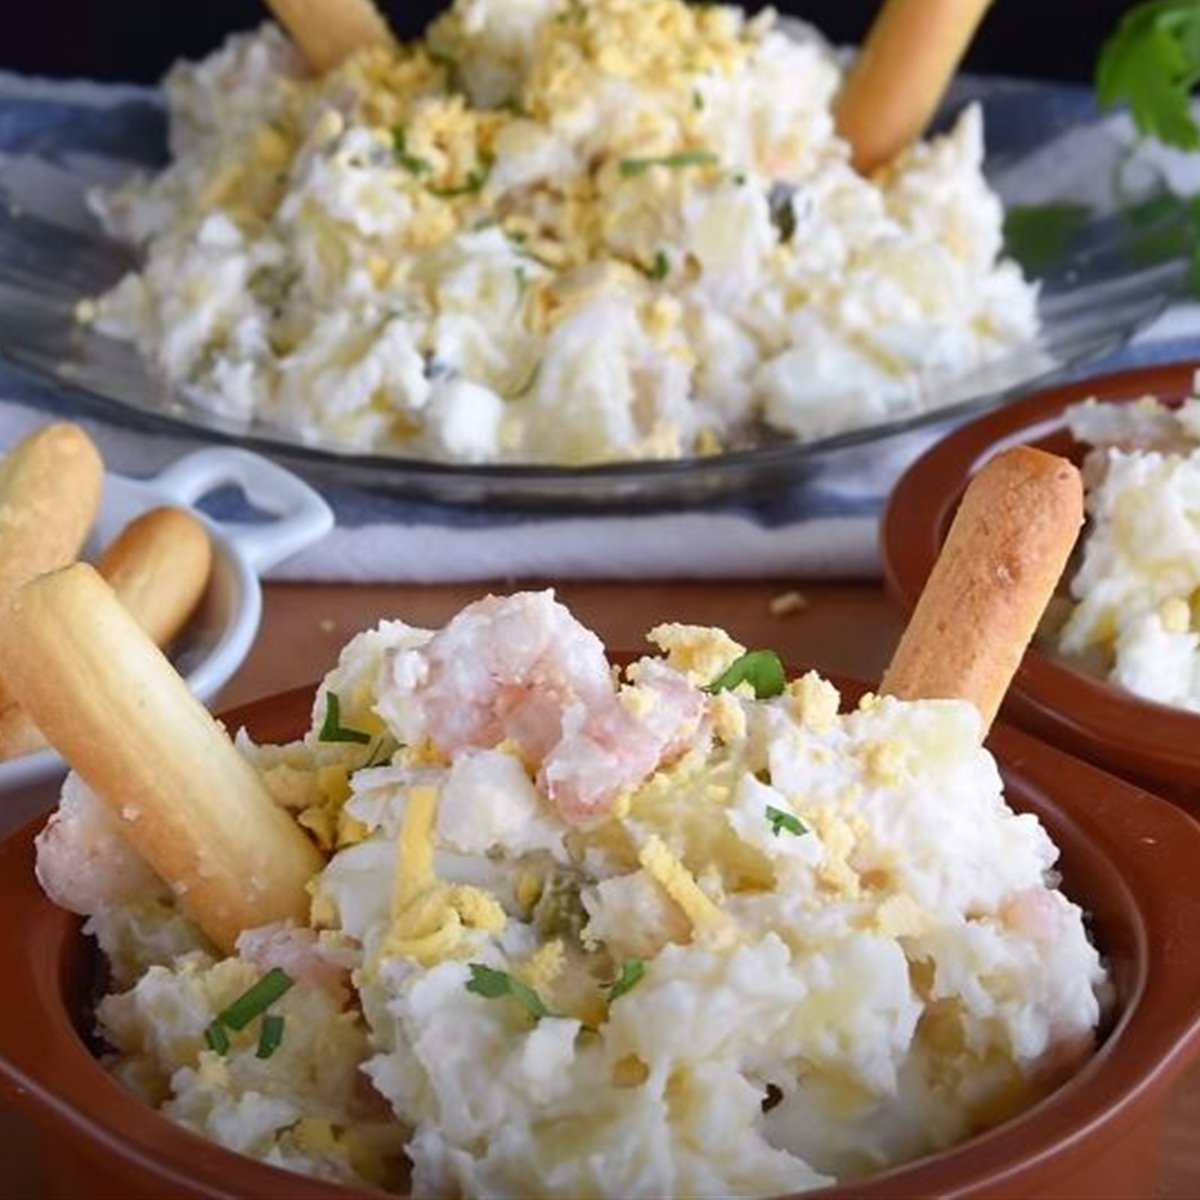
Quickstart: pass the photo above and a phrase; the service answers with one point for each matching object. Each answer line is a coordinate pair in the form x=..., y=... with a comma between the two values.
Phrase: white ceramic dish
x=221, y=632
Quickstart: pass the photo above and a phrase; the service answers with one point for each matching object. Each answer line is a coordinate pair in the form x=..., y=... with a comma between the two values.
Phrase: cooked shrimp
x=84, y=862
x=521, y=668
x=297, y=951
x=611, y=749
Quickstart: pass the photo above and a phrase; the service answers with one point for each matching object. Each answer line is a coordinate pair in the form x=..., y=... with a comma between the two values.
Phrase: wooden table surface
x=844, y=628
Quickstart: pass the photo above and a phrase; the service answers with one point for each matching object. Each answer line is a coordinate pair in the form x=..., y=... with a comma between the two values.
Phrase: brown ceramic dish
x=1156, y=746
x=1126, y=856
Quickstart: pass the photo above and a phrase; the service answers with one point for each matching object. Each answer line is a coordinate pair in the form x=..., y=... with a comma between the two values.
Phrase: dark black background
x=137, y=39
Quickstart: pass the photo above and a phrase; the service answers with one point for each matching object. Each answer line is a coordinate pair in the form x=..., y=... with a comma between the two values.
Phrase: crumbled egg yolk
x=696, y=651
x=814, y=702
x=428, y=916
x=679, y=883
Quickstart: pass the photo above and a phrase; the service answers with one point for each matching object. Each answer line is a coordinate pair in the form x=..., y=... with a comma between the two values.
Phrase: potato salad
x=681, y=928
x=1134, y=617
x=556, y=232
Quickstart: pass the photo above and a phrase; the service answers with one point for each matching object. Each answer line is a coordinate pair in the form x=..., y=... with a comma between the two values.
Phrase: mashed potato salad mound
x=1138, y=585
x=555, y=231
x=682, y=929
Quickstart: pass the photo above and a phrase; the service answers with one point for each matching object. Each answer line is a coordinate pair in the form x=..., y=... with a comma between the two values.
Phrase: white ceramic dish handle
x=299, y=516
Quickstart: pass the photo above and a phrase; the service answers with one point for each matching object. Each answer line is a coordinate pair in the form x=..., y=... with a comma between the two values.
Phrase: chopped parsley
x=410, y=162
x=632, y=970
x=698, y=100
x=684, y=158
x=759, y=668
x=784, y=820
x=661, y=266
x=1037, y=235
x=492, y=984
x=332, y=729
x=1151, y=61
x=270, y=1036
x=255, y=1000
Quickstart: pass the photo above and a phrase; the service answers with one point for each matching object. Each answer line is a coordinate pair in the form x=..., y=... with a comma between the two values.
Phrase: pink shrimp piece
x=609, y=751
x=504, y=667
x=296, y=950
x=522, y=668
x=84, y=862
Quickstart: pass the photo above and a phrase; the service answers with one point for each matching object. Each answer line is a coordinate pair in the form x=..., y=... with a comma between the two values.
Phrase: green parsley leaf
x=269, y=1036
x=661, y=268
x=684, y=158
x=632, y=969
x=698, y=100
x=760, y=668
x=255, y=1000
x=1151, y=61
x=784, y=820
x=493, y=984
x=332, y=731
x=216, y=1037
x=410, y=162
x=1037, y=235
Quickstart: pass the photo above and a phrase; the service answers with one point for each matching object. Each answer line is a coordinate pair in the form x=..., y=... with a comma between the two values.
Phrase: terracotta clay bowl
x=1149, y=743
x=1127, y=857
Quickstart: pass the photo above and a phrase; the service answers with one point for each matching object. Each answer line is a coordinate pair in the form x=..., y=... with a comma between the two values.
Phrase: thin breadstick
x=159, y=566
x=327, y=32
x=189, y=803
x=909, y=55
x=18, y=734
x=1006, y=549
x=50, y=485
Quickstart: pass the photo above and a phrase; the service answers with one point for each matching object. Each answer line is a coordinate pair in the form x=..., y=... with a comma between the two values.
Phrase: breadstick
x=189, y=803
x=1005, y=551
x=901, y=73
x=18, y=734
x=328, y=31
x=159, y=566
x=50, y=485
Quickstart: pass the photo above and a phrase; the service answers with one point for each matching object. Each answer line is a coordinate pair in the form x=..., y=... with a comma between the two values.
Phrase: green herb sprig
x=781, y=821
x=1151, y=62
x=410, y=162
x=683, y=158
x=631, y=972
x=252, y=1003
x=761, y=669
x=332, y=729
x=492, y=984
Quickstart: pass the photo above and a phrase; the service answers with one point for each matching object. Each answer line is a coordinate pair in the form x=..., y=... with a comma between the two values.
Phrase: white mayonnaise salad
x=1137, y=590
x=555, y=231
x=584, y=932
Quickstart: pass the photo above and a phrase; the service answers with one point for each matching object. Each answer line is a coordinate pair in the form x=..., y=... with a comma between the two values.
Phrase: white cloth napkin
x=822, y=528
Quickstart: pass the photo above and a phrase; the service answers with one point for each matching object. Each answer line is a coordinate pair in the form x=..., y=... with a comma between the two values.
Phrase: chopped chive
x=410, y=162
x=475, y=181
x=760, y=668
x=685, y=158
x=333, y=731
x=784, y=820
x=661, y=268
x=632, y=969
x=269, y=1036
x=216, y=1037
x=256, y=1000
